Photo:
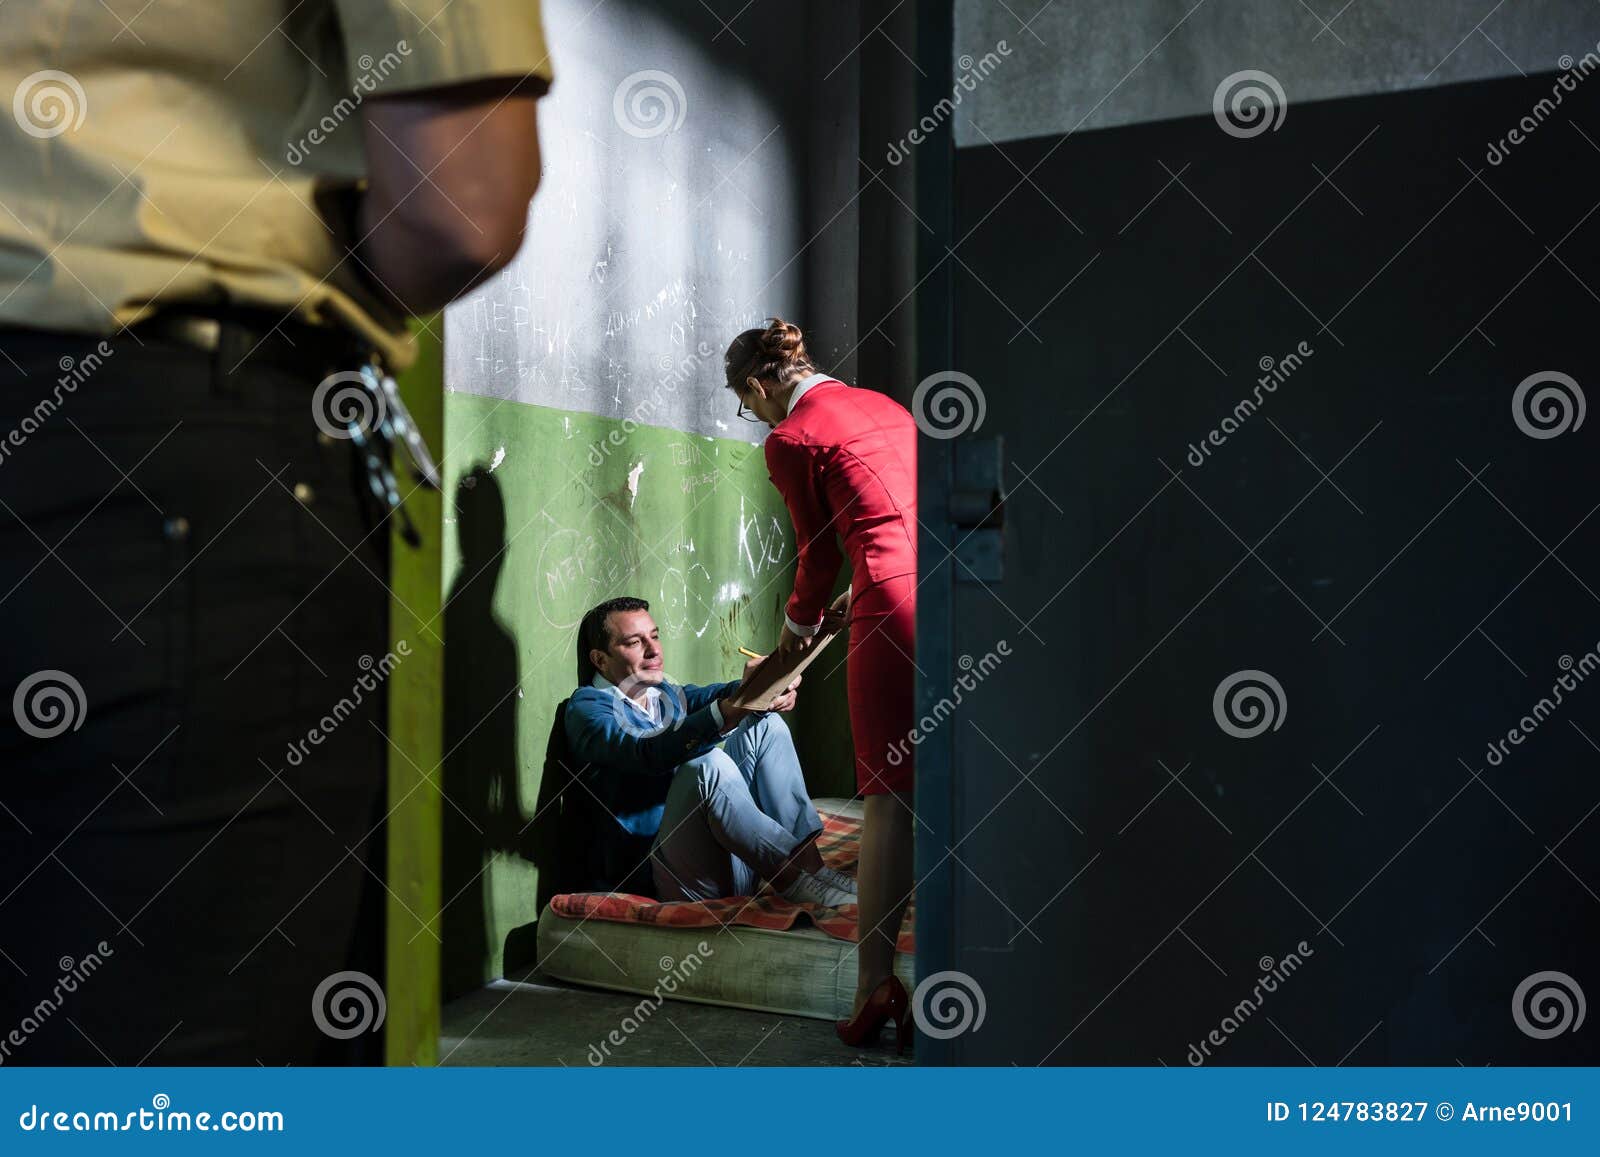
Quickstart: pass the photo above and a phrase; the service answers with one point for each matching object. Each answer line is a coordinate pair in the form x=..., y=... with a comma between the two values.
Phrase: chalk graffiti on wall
x=687, y=453
x=577, y=570
x=694, y=588
x=762, y=546
x=675, y=295
x=687, y=597
x=522, y=337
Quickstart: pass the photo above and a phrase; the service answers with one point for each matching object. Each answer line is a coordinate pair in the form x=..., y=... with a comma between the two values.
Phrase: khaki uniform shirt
x=176, y=151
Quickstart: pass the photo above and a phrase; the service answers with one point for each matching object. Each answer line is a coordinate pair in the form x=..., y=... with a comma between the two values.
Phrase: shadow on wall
x=482, y=815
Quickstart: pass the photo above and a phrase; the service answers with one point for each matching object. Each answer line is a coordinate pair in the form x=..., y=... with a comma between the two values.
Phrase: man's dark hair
x=595, y=635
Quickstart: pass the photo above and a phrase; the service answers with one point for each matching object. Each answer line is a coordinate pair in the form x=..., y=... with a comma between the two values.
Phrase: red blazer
x=845, y=461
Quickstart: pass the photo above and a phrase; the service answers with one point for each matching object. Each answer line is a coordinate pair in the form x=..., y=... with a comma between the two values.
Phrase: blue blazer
x=627, y=762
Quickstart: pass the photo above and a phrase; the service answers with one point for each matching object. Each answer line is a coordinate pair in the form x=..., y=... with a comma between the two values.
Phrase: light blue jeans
x=734, y=815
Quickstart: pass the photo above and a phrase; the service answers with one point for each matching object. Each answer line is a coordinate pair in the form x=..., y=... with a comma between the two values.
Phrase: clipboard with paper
x=773, y=675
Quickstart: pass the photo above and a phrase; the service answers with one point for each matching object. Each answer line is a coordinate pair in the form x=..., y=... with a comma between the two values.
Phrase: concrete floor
x=533, y=1022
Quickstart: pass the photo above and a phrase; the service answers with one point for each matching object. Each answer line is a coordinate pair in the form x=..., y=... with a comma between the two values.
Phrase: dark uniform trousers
x=181, y=865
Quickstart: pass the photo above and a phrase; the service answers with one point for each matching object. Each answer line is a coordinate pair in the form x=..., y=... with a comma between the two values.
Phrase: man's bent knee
x=769, y=728
x=711, y=771
x=774, y=724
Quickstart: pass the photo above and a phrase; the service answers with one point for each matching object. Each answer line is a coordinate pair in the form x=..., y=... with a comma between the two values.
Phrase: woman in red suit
x=845, y=461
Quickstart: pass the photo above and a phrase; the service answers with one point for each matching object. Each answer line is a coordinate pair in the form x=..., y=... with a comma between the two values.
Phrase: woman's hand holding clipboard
x=777, y=673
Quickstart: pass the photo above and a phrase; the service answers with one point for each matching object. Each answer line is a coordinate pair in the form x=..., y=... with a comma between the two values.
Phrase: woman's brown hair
x=777, y=352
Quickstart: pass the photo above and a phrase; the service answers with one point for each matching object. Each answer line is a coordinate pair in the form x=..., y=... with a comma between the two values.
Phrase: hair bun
x=776, y=351
x=783, y=340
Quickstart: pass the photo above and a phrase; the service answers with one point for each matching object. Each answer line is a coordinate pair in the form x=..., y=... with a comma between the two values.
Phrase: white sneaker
x=809, y=889
x=839, y=880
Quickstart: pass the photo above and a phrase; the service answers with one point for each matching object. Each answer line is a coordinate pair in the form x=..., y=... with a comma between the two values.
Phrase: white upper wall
x=1088, y=64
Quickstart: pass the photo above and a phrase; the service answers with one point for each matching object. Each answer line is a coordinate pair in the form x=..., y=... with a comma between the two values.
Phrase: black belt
x=240, y=337
x=355, y=398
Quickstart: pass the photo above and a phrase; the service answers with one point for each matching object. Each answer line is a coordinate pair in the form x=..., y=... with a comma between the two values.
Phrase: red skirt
x=879, y=680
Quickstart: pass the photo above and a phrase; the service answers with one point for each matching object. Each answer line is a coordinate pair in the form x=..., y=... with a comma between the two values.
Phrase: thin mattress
x=761, y=953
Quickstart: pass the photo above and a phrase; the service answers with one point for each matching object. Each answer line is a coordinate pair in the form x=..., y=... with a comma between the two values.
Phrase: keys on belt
x=375, y=421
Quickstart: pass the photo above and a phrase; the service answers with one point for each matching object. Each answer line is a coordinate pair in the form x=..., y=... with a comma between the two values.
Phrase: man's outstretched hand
x=786, y=701
x=731, y=715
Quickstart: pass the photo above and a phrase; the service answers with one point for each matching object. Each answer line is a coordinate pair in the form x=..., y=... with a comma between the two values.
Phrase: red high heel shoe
x=887, y=1002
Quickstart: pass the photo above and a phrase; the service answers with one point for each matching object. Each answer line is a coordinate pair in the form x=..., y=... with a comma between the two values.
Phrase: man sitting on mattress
x=709, y=793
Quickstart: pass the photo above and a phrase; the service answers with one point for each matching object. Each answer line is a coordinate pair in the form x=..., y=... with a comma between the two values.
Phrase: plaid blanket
x=840, y=846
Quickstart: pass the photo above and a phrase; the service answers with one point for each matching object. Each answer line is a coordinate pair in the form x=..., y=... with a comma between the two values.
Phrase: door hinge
x=978, y=507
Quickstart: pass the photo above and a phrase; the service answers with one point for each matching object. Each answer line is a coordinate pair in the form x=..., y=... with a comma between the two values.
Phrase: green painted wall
x=416, y=695
x=547, y=513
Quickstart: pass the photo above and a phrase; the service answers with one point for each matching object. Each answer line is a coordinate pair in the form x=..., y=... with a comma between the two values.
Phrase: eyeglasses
x=746, y=413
